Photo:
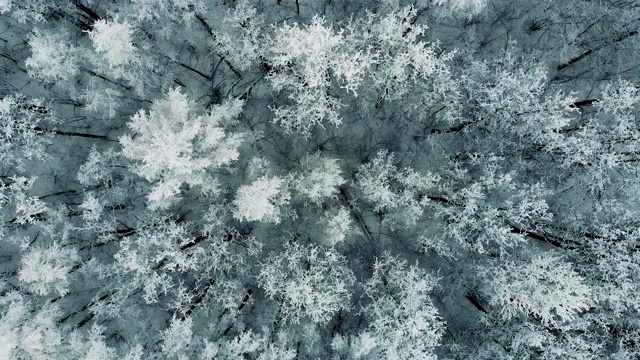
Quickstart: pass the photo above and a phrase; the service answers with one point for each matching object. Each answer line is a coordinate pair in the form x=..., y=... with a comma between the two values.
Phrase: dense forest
x=319, y=179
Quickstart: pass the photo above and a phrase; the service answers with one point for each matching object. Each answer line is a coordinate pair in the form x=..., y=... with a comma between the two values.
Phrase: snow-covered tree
x=544, y=286
x=403, y=322
x=51, y=57
x=21, y=134
x=311, y=282
x=177, y=337
x=92, y=346
x=113, y=39
x=337, y=226
x=319, y=178
x=240, y=35
x=45, y=270
x=27, y=330
x=302, y=58
x=400, y=192
x=174, y=146
x=261, y=200
x=19, y=204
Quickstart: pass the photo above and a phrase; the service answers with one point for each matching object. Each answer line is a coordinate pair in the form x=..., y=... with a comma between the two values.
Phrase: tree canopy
x=301, y=179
